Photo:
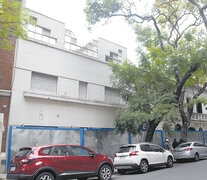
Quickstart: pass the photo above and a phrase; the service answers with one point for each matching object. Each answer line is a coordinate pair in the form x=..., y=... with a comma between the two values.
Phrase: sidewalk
x=2, y=176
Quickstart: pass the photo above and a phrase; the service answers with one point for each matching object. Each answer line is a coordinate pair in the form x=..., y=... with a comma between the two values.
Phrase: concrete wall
x=105, y=47
x=57, y=28
x=69, y=69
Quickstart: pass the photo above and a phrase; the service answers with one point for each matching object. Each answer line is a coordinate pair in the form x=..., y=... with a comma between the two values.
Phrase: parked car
x=190, y=150
x=59, y=162
x=141, y=156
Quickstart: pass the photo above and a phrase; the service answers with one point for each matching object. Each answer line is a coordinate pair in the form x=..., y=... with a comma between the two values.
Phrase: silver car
x=190, y=150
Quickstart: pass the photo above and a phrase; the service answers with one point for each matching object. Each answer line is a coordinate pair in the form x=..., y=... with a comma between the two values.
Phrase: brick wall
x=6, y=67
x=6, y=72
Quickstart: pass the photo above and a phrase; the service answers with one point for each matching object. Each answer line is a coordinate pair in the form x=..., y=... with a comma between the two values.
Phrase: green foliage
x=191, y=50
x=99, y=9
x=13, y=18
x=172, y=47
x=201, y=100
x=148, y=94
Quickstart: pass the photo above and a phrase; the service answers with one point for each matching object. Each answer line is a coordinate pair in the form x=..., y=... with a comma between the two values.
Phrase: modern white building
x=60, y=84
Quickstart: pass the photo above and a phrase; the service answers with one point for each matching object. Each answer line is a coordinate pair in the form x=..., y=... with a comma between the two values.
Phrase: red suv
x=59, y=162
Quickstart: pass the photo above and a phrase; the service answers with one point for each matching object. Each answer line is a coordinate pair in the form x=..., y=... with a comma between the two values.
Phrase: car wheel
x=169, y=162
x=105, y=172
x=121, y=171
x=144, y=166
x=196, y=157
x=45, y=176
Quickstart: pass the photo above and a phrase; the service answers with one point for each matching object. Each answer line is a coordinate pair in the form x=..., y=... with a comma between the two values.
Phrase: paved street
x=180, y=171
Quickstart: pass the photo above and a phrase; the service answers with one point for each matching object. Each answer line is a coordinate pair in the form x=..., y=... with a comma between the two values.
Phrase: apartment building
x=60, y=84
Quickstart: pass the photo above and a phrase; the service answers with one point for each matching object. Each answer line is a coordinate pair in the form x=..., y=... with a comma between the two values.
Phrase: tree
x=174, y=41
x=13, y=19
x=149, y=98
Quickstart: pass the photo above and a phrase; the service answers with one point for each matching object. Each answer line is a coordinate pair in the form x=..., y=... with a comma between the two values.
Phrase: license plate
x=122, y=157
x=12, y=168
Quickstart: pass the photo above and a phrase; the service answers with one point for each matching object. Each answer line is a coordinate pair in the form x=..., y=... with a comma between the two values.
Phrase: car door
x=199, y=148
x=157, y=154
x=205, y=150
x=147, y=153
x=84, y=160
x=58, y=157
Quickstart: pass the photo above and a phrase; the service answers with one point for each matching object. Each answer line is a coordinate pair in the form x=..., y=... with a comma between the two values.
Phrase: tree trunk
x=184, y=130
x=151, y=130
x=183, y=117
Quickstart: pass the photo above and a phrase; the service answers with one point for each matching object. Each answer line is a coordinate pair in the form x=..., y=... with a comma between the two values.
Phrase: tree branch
x=201, y=11
x=185, y=78
x=200, y=91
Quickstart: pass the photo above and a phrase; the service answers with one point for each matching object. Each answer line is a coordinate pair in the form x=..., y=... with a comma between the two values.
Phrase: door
x=83, y=161
x=60, y=159
x=157, y=154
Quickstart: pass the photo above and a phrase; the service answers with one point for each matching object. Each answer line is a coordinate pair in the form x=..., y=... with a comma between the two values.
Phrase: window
x=185, y=145
x=114, y=55
x=70, y=39
x=155, y=148
x=188, y=100
x=46, y=151
x=199, y=108
x=41, y=34
x=61, y=151
x=127, y=149
x=107, y=58
x=112, y=96
x=197, y=144
x=43, y=82
x=145, y=147
x=120, y=53
x=79, y=151
x=83, y=90
x=23, y=152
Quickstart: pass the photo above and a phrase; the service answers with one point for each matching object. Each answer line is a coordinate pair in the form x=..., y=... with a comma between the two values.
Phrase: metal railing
x=41, y=37
x=82, y=50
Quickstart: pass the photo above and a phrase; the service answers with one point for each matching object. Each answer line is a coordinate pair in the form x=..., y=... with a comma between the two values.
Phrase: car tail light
x=134, y=153
x=27, y=161
x=188, y=149
x=115, y=155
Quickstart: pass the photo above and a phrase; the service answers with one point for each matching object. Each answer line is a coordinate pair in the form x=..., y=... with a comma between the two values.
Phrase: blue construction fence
x=100, y=140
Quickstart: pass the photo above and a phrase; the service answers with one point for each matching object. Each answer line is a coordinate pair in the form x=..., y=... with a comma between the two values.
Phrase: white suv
x=141, y=156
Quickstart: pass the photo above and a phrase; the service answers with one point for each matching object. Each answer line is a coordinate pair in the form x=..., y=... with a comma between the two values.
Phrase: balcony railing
x=199, y=117
x=82, y=50
x=41, y=37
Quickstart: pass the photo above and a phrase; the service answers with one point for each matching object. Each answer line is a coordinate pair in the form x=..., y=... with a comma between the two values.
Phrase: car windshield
x=127, y=149
x=184, y=145
x=23, y=152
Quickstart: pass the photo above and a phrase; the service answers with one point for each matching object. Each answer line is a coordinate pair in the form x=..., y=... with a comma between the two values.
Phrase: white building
x=58, y=83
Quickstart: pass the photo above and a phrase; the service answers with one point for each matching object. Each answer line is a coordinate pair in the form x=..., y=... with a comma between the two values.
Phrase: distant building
x=60, y=84
x=199, y=116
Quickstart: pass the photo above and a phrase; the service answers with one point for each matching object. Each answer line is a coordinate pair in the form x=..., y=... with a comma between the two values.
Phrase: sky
x=71, y=13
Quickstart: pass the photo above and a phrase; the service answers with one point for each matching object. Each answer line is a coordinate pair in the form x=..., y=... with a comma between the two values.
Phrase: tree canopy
x=148, y=93
x=171, y=36
x=13, y=19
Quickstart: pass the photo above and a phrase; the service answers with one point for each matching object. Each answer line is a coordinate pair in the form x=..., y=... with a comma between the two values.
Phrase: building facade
x=60, y=84
x=6, y=72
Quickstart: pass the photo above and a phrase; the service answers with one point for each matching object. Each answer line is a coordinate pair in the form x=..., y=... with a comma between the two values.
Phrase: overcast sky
x=71, y=13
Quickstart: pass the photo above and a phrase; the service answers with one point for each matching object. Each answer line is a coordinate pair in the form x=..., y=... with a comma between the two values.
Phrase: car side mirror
x=91, y=154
